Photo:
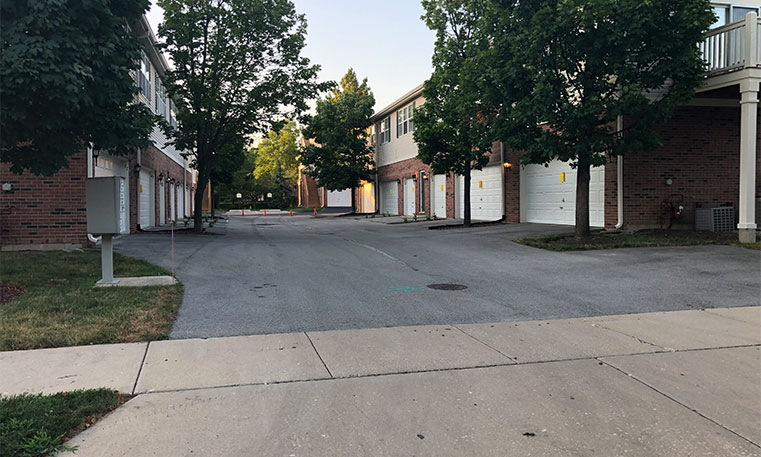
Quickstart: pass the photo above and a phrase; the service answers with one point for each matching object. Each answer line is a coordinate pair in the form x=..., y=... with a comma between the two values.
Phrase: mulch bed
x=8, y=292
x=656, y=236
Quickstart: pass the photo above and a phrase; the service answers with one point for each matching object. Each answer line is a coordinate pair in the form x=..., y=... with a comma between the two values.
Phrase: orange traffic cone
x=315, y=211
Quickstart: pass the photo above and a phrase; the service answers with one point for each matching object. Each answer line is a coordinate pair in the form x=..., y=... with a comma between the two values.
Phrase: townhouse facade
x=40, y=212
x=709, y=157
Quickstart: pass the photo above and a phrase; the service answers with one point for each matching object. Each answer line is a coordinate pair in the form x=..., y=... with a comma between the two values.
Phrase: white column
x=748, y=121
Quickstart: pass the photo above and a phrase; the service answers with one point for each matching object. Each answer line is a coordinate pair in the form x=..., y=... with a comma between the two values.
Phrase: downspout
x=620, y=178
x=504, y=187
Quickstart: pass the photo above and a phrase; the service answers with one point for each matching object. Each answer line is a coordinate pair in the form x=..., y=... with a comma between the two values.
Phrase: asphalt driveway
x=278, y=274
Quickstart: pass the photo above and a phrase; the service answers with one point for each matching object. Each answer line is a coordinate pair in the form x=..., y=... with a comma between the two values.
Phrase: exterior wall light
x=507, y=165
x=137, y=168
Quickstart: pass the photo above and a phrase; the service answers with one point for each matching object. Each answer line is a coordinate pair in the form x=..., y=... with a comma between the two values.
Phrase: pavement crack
x=654, y=389
x=488, y=346
x=318, y=355
x=140, y=370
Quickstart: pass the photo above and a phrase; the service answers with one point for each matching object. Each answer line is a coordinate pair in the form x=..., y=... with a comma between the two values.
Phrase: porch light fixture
x=507, y=165
x=161, y=177
x=137, y=168
x=95, y=154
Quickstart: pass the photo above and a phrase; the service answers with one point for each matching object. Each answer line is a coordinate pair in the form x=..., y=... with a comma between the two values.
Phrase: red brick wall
x=700, y=153
x=161, y=164
x=45, y=210
x=411, y=168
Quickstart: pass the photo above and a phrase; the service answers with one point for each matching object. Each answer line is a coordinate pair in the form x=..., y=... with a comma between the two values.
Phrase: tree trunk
x=198, y=213
x=466, y=196
x=354, y=201
x=582, y=198
x=211, y=194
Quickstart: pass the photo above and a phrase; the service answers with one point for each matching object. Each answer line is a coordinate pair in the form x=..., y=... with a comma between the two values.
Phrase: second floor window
x=385, y=131
x=172, y=115
x=160, y=99
x=404, y=122
x=144, y=77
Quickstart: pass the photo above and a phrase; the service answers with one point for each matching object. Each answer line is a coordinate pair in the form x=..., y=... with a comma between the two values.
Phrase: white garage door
x=440, y=196
x=162, y=203
x=389, y=198
x=545, y=199
x=409, y=196
x=368, y=198
x=339, y=198
x=146, y=199
x=485, y=194
x=180, y=203
x=172, y=213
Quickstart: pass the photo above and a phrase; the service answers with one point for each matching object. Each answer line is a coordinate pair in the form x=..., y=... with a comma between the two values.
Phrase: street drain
x=447, y=286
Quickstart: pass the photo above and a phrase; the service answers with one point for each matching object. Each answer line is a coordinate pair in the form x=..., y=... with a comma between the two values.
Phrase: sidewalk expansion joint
x=318, y=354
x=490, y=347
x=408, y=372
x=140, y=370
x=719, y=424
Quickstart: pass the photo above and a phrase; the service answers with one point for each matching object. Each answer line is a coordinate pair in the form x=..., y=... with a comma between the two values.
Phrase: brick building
x=50, y=212
x=708, y=158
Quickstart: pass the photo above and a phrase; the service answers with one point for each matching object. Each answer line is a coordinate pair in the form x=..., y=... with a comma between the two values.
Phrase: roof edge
x=403, y=100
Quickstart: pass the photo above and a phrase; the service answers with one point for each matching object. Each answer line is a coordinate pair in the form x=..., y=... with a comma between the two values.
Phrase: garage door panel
x=486, y=199
x=548, y=200
x=390, y=198
x=339, y=198
x=440, y=196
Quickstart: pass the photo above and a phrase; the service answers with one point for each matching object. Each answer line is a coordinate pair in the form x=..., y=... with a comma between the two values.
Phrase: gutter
x=620, y=178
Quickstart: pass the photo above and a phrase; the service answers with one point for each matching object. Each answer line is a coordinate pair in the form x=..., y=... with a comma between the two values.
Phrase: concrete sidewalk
x=684, y=383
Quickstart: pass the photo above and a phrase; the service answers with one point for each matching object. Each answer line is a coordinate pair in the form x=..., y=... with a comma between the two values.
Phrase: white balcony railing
x=733, y=47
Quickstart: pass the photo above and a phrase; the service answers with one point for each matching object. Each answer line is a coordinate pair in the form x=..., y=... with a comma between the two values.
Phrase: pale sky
x=384, y=41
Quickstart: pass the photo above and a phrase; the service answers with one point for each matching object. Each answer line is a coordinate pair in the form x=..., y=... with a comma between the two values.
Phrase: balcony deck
x=732, y=52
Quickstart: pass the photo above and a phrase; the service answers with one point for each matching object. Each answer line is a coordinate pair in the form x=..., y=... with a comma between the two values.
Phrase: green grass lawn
x=39, y=425
x=643, y=238
x=61, y=307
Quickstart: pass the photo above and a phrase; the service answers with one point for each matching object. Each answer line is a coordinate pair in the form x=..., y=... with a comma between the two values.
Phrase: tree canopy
x=238, y=69
x=65, y=81
x=278, y=148
x=559, y=73
x=451, y=127
x=342, y=157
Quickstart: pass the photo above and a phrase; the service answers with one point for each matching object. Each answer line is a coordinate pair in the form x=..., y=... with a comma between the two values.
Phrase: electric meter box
x=107, y=204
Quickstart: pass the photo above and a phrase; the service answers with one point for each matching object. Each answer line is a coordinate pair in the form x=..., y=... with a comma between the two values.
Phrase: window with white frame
x=160, y=99
x=385, y=131
x=172, y=114
x=144, y=77
x=404, y=122
x=727, y=13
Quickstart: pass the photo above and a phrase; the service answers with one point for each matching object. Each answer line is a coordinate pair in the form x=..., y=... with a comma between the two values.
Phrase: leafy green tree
x=342, y=156
x=225, y=167
x=242, y=182
x=451, y=127
x=237, y=66
x=561, y=72
x=282, y=188
x=65, y=81
x=279, y=149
